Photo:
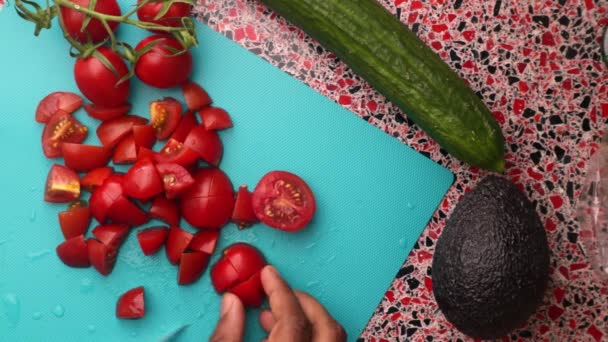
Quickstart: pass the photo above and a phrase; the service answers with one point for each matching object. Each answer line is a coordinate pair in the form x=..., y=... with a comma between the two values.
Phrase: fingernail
x=227, y=302
x=272, y=270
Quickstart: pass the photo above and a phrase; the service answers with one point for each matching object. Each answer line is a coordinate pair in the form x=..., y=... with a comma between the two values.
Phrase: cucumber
x=384, y=52
x=605, y=46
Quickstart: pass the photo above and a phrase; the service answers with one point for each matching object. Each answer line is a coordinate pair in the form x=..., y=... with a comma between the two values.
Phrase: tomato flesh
x=144, y=136
x=95, y=178
x=177, y=242
x=283, y=200
x=94, y=30
x=73, y=252
x=165, y=210
x=243, y=214
x=159, y=67
x=191, y=267
x=215, y=118
x=196, y=97
x=251, y=292
x=151, y=240
x=100, y=84
x=143, y=181
x=131, y=304
x=126, y=151
x=204, y=241
x=176, y=152
x=104, y=197
x=107, y=113
x=75, y=221
x=111, y=235
x=59, y=101
x=165, y=115
x=146, y=153
x=85, y=158
x=62, y=185
x=102, y=257
x=111, y=132
x=206, y=144
x=175, y=179
x=61, y=127
x=123, y=211
x=208, y=202
x=186, y=124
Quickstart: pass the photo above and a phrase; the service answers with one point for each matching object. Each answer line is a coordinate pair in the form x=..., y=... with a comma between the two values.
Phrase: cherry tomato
x=146, y=153
x=123, y=211
x=152, y=239
x=165, y=210
x=191, y=267
x=62, y=185
x=73, y=252
x=204, y=241
x=107, y=113
x=186, y=124
x=177, y=242
x=143, y=136
x=113, y=131
x=104, y=197
x=76, y=220
x=223, y=275
x=59, y=101
x=215, y=118
x=98, y=83
x=176, y=11
x=284, y=201
x=111, y=235
x=102, y=257
x=61, y=127
x=196, y=97
x=95, y=177
x=160, y=67
x=142, y=181
x=208, y=202
x=131, y=304
x=126, y=151
x=243, y=214
x=177, y=153
x=85, y=158
x=251, y=292
x=176, y=179
x=94, y=31
x=165, y=115
x=206, y=144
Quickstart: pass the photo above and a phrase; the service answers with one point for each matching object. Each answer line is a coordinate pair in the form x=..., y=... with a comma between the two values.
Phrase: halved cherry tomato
x=102, y=257
x=131, y=304
x=84, y=158
x=165, y=210
x=111, y=132
x=143, y=181
x=176, y=179
x=107, y=113
x=251, y=292
x=208, y=202
x=76, y=220
x=62, y=185
x=104, y=197
x=215, y=118
x=165, y=115
x=284, y=201
x=177, y=242
x=61, y=127
x=243, y=214
x=160, y=67
x=196, y=97
x=111, y=235
x=73, y=252
x=126, y=151
x=186, y=124
x=175, y=152
x=96, y=177
x=172, y=17
x=53, y=103
x=123, y=211
x=223, y=275
x=246, y=259
x=143, y=153
x=206, y=144
x=152, y=239
x=191, y=267
x=143, y=136
x=204, y=241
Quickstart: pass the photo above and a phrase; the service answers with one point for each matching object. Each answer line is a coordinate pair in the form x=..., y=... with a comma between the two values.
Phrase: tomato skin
x=61, y=127
x=151, y=240
x=172, y=18
x=83, y=158
x=215, y=118
x=95, y=178
x=191, y=266
x=74, y=221
x=95, y=30
x=111, y=235
x=208, y=202
x=104, y=197
x=126, y=151
x=177, y=153
x=243, y=214
x=204, y=241
x=102, y=257
x=196, y=97
x=111, y=132
x=186, y=124
x=165, y=115
x=146, y=153
x=98, y=83
x=165, y=210
x=55, y=102
x=158, y=67
x=223, y=275
x=131, y=304
x=144, y=136
x=284, y=187
x=73, y=252
x=107, y=113
x=246, y=259
x=62, y=185
x=177, y=242
x=206, y=144
x=123, y=211
x=142, y=181
x=176, y=179
x=251, y=292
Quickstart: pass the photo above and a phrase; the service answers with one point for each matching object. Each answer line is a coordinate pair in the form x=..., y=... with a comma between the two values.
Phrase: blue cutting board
x=375, y=196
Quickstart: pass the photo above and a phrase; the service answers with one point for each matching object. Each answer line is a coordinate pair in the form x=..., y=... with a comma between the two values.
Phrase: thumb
x=231, y=325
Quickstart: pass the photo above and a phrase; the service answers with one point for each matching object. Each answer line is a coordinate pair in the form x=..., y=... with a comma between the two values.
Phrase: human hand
x=293, y=315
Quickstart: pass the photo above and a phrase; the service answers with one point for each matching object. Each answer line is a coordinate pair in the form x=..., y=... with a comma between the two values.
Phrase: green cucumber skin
x=389, y=56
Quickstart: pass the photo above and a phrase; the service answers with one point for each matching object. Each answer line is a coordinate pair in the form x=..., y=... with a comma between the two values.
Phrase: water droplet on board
x=311, y=245
x=411, y=205
x=199, y=315
x=273, y=243
x=33, y=256
x=37, y=315
x=133, y=334
x=330, y=259
x=12, y=308
x=2, y=242
x=86, y=285
x=33, y=189
x=91, y=328
x=58, y=311
x=403, y=243
x=312, y=283
x=162, y=327
x=33, y=216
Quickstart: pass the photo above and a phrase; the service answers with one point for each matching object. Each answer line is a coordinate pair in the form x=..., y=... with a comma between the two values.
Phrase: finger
x=231, y=326
x=267, y=320
x=325, y=327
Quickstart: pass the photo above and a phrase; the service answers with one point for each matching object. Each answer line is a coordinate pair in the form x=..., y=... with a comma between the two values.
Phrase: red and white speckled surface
x=537, y=66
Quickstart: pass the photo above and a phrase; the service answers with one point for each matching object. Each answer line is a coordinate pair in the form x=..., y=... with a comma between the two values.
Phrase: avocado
x=491, y=263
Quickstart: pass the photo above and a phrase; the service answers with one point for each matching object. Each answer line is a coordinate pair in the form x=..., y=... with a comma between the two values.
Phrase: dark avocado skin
x=491, y=262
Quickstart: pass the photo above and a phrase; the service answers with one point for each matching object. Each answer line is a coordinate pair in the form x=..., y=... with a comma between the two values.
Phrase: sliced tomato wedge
x=165, y=115
x=143, y=181
x=61, y=127
x=204, y=241
x=206, y=144
x=165, y=210
x=151, y=240
x=146, y=153
x=191, y=267
x=111, y=132
x=131, y=304
x=223, y=275
x=102, y=257
x=123, y=211
x=85, y=158
x=62, y=185
x=208, y=202
x=111, y=235
x=96, y=177
x=175, y=152
x=59, y=101
x=73, y=252
x=104, y=197
x=250, y=292
x=245, y=258
x=283, y=200
x=186, y=124
x=107, y=113
x=243, y=214
x=175, y=179
x=76, y=220
x=177, y=242
x=215, y=118
x=144, y=136
x=126, y=151
x=196, y=97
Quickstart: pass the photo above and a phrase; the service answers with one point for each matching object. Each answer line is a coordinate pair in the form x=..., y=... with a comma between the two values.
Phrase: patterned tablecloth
x=537, y=65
